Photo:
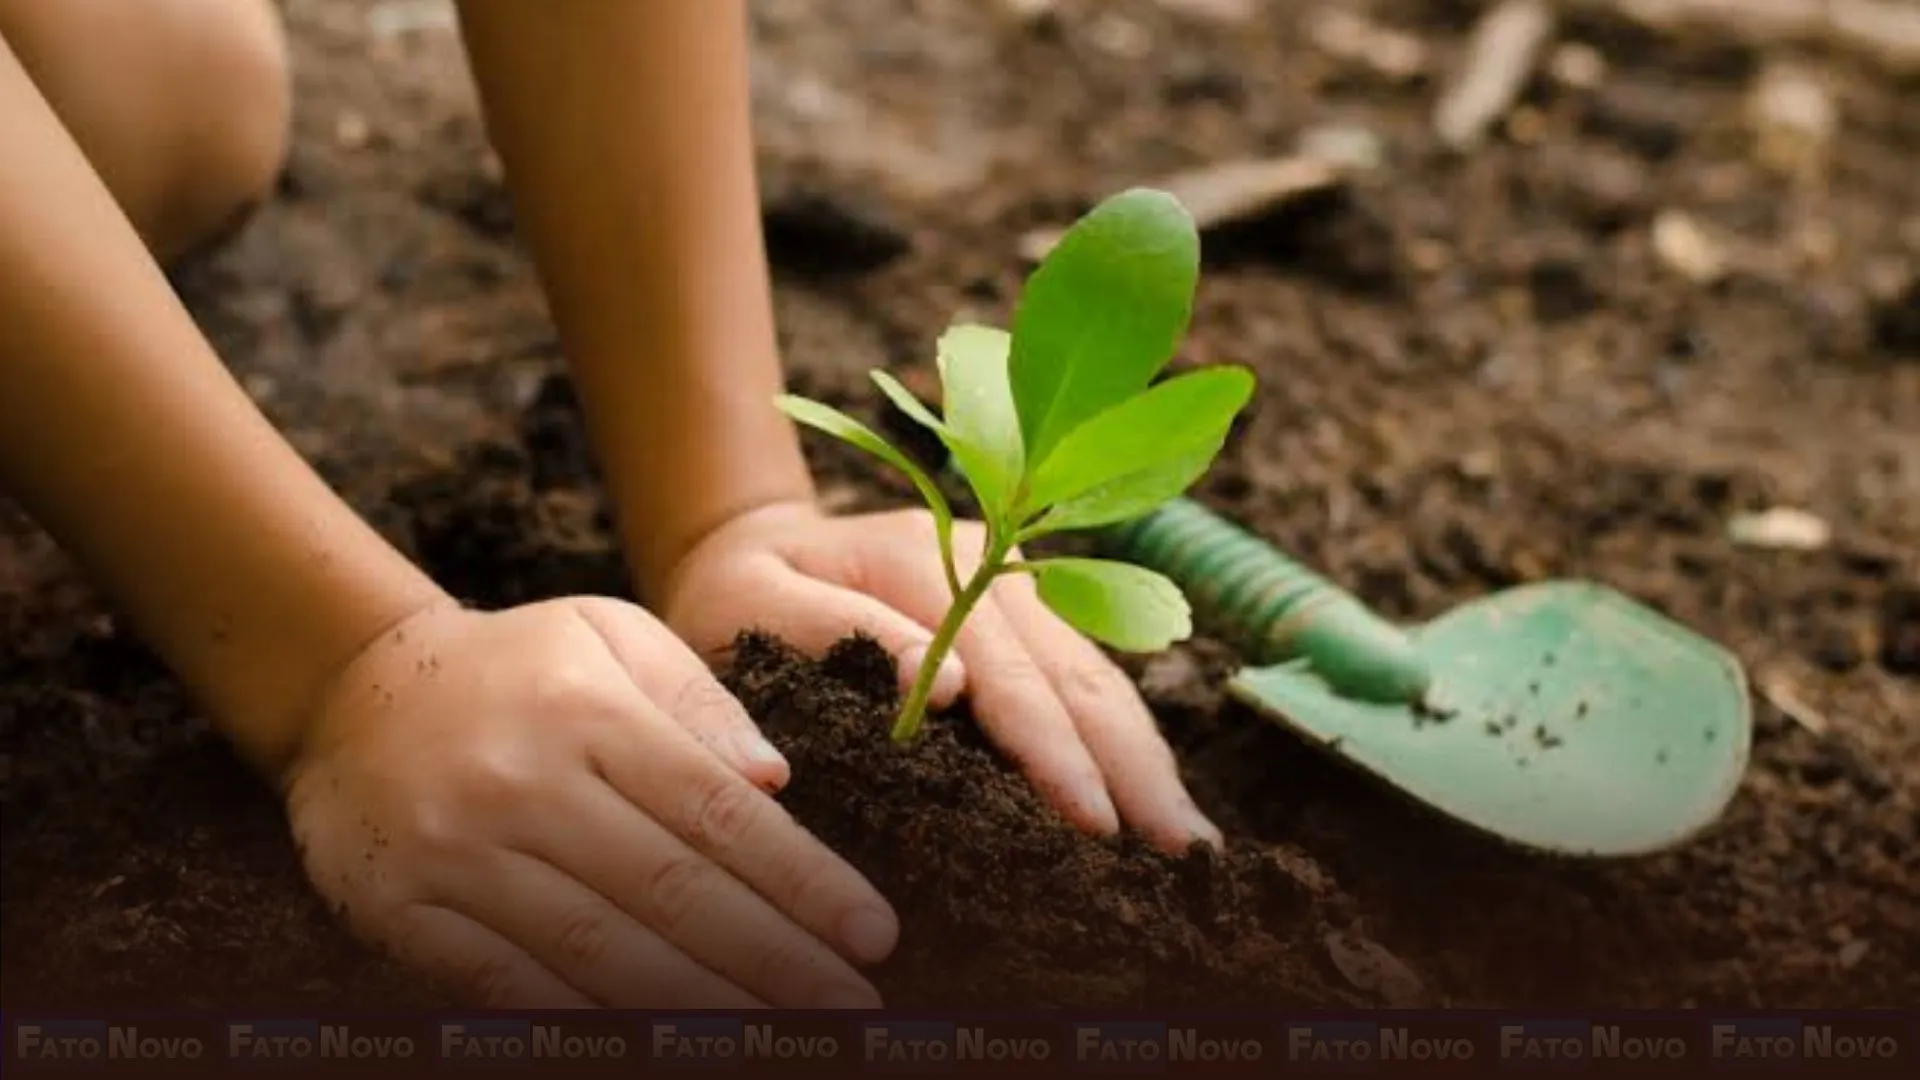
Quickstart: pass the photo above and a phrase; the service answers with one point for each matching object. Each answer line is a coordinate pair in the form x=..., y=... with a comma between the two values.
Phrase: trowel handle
x=1275, y=609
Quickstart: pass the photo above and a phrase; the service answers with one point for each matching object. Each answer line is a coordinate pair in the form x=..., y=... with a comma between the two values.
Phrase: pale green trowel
x=1559, y=716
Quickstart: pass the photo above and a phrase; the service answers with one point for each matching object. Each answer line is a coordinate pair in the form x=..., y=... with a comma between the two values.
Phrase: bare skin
x=181, y=106
x=561, y=804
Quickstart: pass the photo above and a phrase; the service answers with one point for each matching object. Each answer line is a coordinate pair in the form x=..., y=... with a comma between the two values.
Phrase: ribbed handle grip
x=1270, y=606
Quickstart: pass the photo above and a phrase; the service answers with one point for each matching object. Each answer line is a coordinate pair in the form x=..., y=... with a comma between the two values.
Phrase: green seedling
x=1060, y=425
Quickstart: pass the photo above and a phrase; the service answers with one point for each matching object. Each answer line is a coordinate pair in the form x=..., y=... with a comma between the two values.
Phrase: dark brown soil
x=973, y=859
x=1475, y=372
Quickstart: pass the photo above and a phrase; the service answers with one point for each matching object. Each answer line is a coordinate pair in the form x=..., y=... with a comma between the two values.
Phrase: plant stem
x=915, y=708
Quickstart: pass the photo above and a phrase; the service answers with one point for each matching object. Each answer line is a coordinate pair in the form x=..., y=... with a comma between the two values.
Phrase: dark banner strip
x=233, y=1043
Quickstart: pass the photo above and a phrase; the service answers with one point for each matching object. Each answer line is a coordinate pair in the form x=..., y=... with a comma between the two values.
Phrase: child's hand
x=1047, y=695
x=557, y=806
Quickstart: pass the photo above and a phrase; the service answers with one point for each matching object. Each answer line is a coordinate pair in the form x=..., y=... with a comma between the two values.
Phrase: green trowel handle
x=1272, y=607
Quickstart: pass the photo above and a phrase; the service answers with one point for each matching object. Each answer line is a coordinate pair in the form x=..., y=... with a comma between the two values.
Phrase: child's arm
x=626, y=134
x=125, y=437
x=627, y=139
x=548, y=806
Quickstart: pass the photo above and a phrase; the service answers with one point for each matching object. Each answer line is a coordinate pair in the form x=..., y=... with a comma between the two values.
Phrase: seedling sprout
x=1058, y=425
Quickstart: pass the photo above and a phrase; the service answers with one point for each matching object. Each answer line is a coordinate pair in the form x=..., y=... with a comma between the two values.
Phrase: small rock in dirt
x=825, y=233
x=1120, y=37
x=1780, y=528
x=1352, y=37
x=1852, y=953
x=1479, y=464
x=1686, y=248
x=1029, y=10
x=1782, y=695
x=1349, y=147
x=1230, y=193
x=1236, y=191
x=1578, y=65
x=1370, y=967
x=1036, y=243
x=352, y=131
x=1501, y=57
x=1793, y=118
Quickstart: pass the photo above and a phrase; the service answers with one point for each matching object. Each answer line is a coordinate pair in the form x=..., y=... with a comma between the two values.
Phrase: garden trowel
x=1559, y=716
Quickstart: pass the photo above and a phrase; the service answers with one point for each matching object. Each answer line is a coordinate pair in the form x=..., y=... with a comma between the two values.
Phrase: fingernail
x=762, y=762
x=762, y=752
x=1204, y=829
x=910, y=661
x=1093, y=796
x=870, y=933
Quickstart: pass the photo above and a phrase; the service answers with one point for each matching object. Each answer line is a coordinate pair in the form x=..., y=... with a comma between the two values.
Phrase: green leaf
x=1125, y=606
x=1102, y=314
x=1173, y=420
x=984, y=425
x=832, y=421
x=1131, y=496
x=904, y=400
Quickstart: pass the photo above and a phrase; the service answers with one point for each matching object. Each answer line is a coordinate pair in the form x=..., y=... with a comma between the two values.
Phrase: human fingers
x=571, y=930
x=813, y=615
x=1114, y=722
x=1022, y=711
x=475, y=962
x=694, y=903
x=654, y=765
x=674, y=677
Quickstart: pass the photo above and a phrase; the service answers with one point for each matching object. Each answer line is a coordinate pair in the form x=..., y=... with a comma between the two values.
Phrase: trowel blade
x=1565, y=718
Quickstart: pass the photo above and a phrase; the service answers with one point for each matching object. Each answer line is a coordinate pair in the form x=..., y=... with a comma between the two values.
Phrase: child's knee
x=235, y=145
x=183, y=106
